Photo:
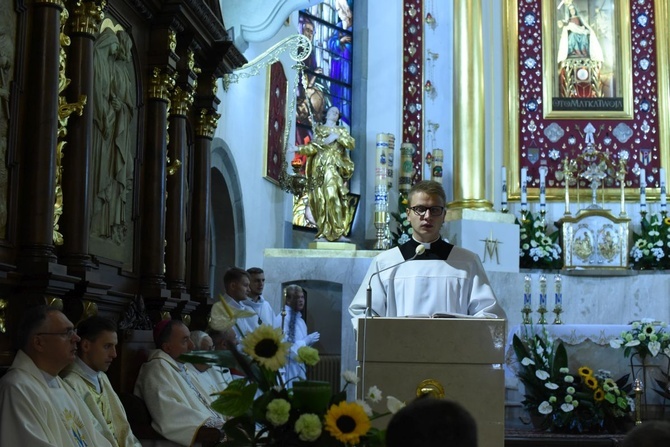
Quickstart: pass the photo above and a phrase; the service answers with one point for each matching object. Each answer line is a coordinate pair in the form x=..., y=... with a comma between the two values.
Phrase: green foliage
x=537, y=248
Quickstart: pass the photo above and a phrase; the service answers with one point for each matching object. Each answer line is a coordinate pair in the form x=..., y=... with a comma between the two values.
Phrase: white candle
x=504, y=188
x=543, y=186
x=663, y=197
x=543, y=291
x=524, y=193
x=526, y=292
x=558, y=291
x=643, y=191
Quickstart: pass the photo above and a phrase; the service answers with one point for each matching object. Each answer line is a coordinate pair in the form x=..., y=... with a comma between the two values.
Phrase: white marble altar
x=586, y=300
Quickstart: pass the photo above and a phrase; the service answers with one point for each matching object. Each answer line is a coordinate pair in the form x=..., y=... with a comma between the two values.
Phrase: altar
x=595, y=308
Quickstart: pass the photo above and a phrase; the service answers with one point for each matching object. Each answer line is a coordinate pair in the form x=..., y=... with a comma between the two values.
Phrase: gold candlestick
x=526, y=310
x=542, y=309
x=558, y=300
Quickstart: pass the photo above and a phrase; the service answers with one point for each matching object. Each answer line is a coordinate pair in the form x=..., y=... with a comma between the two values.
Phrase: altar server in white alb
x=426, y=275
x=37, y=408
x=97, y=350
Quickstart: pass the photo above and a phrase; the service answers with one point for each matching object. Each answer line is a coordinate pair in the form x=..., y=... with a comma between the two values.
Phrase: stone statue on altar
x=328, y=170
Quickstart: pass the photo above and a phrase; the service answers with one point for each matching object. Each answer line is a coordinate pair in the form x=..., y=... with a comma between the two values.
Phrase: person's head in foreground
x=430, y=422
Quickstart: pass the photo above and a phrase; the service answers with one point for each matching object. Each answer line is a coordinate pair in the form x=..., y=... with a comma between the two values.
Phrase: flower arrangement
x=403, y=229
x=560, y=400
x=261, y=410
x=645, y=338
x=651, y=249
x=538, y=249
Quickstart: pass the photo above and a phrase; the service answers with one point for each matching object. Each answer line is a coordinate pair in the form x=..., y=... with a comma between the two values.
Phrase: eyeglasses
x=420, y=210
x=66, y=335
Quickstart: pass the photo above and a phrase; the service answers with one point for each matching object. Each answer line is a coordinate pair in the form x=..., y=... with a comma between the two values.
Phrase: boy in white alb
x=443, y=279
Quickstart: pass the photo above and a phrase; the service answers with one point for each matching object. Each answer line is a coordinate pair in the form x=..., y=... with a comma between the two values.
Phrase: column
x=175, y=225
x=200, y=220
x=37, y=170
x=153, y=191
x=74, y=223
x=469, y=140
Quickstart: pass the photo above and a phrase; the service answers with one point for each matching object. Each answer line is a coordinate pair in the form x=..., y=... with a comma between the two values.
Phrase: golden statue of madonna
x=328, y=170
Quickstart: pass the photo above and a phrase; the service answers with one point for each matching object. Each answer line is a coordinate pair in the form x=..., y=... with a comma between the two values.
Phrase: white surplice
x=103, y=403
x=445, y=279
x=39, y=410
x=177, y=407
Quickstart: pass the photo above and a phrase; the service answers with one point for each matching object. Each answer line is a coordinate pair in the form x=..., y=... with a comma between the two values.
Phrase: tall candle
x=526, y=291
x=664, y=203
x=381, y=193
x=543, y=186
x=643, y=191
x=438, y=161
x=558, y=291
x=524, y=192
x=543, y=291
x=503, y=200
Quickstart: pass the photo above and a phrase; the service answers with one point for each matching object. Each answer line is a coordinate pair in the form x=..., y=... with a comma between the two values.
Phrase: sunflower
x=666, y=221
x=599, y=395
x=265, y=346
x=591, y=382
x=347, y=422
x=585, y=371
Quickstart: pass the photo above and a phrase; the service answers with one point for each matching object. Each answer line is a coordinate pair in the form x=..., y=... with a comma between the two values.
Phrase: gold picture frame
x=514, y=113
x=587, y=68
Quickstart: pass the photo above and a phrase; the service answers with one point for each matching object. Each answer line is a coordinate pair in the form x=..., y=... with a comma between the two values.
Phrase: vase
x=312, y=396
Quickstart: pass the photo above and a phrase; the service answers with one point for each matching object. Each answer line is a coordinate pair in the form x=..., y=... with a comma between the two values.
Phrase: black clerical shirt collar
x=438, y=249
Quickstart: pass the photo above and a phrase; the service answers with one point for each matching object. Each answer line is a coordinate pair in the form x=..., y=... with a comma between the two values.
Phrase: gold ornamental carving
x=430, y=387
x=87, y=17
x=181, y=101
x=207, y=122
x=172, y=40
x=3, y=315
x=161, y=84
x=65, y=109
x=58, y=3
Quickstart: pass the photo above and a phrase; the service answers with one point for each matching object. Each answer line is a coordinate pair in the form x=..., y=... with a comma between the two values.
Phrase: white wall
x=242, y=126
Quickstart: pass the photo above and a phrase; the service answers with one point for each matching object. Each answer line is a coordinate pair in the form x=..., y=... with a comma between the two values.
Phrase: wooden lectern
x=406, y=357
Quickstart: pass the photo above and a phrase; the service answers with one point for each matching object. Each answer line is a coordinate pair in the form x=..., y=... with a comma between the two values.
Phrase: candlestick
x=524, y=191
x=525, y=311
x=638, y=388
x=558, y=298
x=503, y=200
x=542, y=309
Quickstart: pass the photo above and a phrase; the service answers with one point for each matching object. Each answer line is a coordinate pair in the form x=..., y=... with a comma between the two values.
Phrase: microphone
x=420, y=249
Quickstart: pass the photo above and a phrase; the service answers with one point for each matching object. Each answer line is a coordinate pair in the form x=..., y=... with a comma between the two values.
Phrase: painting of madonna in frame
x=586, y=59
